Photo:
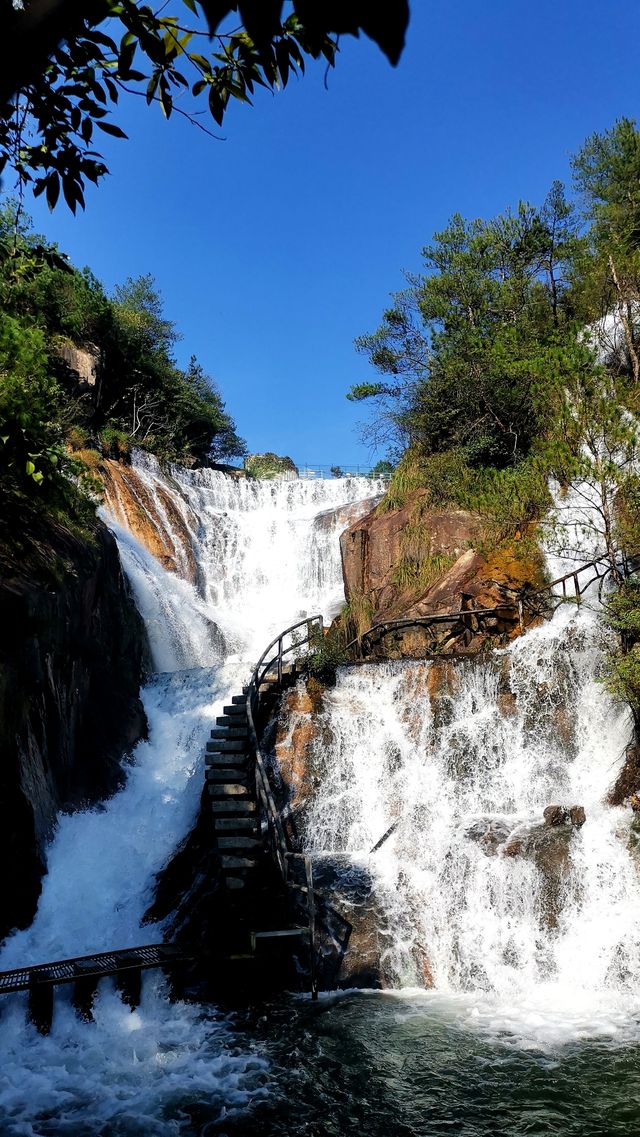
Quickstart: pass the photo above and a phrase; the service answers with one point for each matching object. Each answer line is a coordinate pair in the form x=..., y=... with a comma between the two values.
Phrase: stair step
x=230, y=862
x=223, y=745
x=235, y=882
x=237, y=806
x=240, y=712
x=229, y=825
x=239, y=721
x=230, y=732
x=238, y=842
x=239, y=700
x=235, y=762
x=222, y=774
x=229, y=789
x=280, y=933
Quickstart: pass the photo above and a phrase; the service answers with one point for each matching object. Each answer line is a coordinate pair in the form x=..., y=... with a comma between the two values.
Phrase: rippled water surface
x=416, y=1066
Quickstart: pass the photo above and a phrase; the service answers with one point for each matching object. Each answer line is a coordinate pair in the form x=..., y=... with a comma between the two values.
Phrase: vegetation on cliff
x=513, y=359
x=54, y=421
x=488, y=380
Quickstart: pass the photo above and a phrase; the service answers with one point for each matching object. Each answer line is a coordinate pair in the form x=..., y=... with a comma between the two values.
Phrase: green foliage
x=508, y=499
x=419, y=571
x=269, y=465
x=37, y=476
x=142, y=398
x=66, y=69
x=327, y=655
x=382, y=469
x=622, y=674
x=468, y=351
x=607, y=174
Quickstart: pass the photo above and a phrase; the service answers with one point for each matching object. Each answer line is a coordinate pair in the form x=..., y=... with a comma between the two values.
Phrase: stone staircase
x=231, y=779
x=230, y=776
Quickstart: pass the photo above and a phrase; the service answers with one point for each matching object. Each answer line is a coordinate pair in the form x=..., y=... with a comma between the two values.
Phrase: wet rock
x=374, y=547
x=490, y=833
x=154, y=518
x=561, y=815
x=554, y=815
x=352, y=929
x=548, y=846
x=297, y=733
x=577, y=816
x=627, y=785
x=72, y=655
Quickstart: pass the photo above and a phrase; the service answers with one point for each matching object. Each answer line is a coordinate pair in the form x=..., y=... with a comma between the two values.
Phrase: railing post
x=576, y=586
x=311, y=908
x=280, y=662
x=41, y=1000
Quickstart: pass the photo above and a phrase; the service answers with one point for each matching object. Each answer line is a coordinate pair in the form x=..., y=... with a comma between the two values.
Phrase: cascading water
x=530, y=928
x=527, y=945
x=266, y=553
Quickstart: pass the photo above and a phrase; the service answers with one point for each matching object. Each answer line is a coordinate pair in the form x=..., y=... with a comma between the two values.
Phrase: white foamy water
x=516, y=947
x=266, y=555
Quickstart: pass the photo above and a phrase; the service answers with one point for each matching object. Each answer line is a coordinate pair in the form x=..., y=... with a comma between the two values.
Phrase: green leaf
x=30, y=467
x=112, y=129
x=52, y=189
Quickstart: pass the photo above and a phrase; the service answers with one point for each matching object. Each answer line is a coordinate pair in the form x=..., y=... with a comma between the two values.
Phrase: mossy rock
x=270, y=466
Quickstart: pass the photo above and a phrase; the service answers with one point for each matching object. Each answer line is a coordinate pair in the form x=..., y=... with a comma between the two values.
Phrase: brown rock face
x=627, y=787
x=154, y=519
x=373, y=550
x=82, y=363
x=295, y=735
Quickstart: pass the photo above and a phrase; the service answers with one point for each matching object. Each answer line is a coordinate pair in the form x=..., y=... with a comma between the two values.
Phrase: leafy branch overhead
x=66, y=66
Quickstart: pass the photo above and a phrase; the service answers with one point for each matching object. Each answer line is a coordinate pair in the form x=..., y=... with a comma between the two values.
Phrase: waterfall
x=523, y=922
x=265, y=554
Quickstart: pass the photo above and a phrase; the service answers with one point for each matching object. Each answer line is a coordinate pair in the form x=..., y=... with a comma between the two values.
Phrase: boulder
x=548, y=846
x=448, y=542
x=270, y=466
x=81, y=363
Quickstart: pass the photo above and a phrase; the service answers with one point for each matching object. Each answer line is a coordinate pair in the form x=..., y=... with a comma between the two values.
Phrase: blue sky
x=275, y=248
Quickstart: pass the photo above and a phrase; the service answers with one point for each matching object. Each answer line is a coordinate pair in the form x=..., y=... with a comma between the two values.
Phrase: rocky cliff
x=72, y=656
x=416, y=562
x=161, y=521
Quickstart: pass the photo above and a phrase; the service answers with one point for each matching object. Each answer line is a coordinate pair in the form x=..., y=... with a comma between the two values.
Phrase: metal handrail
x=524, y=597
x=275, y=829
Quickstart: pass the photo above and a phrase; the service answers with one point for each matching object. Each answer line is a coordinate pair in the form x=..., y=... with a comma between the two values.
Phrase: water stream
x=532, y=1025
x=267, y=554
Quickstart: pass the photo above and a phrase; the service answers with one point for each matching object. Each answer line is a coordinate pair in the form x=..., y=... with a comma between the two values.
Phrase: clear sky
x=275, y=248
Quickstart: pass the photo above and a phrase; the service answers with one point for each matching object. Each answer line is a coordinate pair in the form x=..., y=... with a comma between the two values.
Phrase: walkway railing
x=271, y=669
x=573, y=584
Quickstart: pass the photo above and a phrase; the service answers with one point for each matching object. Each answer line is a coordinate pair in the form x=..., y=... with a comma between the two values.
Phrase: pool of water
x=411, y=1065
